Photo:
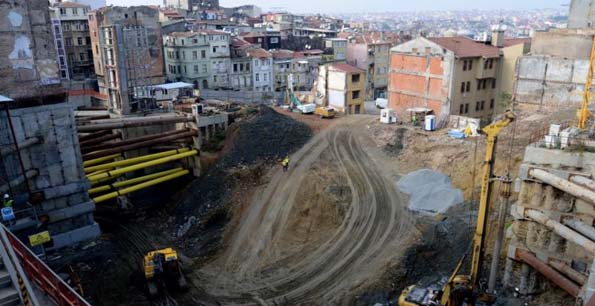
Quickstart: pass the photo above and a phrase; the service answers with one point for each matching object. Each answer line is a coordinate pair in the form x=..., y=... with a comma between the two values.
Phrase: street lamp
x=6, y=102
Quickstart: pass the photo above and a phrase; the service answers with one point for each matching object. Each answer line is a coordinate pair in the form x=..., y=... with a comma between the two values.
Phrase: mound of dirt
x=430, y=191
x=203, y=209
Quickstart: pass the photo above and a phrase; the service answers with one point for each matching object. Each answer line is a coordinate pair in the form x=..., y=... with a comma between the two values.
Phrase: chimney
x=498, y=36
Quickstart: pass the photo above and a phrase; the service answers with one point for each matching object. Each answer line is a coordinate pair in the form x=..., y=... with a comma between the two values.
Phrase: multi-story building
x=127, y=53
x=241, y=72
x=186, y=58
x=268, y=40
x=262, y=69
x=314, y=58
x=94, y=4
x=372, y=56
x=449, y=75
x=193, y=5
x=339, y=47
x=219, y=57
x=73, y=41
x=342, y=87
x=282, y=68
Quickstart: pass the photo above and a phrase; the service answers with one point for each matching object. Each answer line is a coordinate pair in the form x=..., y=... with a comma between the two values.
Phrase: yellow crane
x=584, y=113
x=463, y=288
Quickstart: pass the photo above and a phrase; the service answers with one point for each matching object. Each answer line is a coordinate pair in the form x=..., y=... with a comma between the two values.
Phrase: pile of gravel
x=430, y=192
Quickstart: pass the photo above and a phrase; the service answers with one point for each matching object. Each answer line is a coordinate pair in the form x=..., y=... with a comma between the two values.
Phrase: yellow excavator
x=163, y=269
x=463, y=289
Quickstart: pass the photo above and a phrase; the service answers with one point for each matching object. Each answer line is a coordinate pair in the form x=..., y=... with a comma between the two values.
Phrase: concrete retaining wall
x=550, y=82
x=57, y=160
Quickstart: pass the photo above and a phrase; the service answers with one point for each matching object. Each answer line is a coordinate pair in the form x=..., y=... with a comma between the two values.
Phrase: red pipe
x=549, y=273
x=129, y=141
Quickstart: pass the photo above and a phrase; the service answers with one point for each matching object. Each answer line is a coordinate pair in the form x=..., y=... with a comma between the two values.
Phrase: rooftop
x=346, y=68
x=175, y=85
x=259, y=53
x=71, y=4
x=508, y=42
x=466, y=47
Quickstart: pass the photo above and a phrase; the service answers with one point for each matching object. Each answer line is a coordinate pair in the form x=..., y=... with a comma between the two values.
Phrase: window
x=183, y=54
x=75, y=11
x=274, y=40
x=492, y=104
x=203, y=54
x=355, y=95
x=194, y=54
x=463, y=87
x=468, y=86
x=482, y=105
x=465, y=65
x=355, y=78
x=461, y=108
x=235, y=67
x=477, y=106
x=479, y=84
x=79, y=41
x=68, y=41
x=204, y=68
x=177, y=54
x=493, y=83
x=257, y=77
x=241, y=66
x=467, y=108
x=265, y=76
x=248, y=67
x=185, y=70
x=195, y=68
x=491, y=63
x=67, y=27
x=82, y=57
x=62, y=11
x=214, y=49
x=470, y=65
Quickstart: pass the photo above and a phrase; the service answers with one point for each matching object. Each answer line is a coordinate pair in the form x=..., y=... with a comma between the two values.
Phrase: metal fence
x=249, y=97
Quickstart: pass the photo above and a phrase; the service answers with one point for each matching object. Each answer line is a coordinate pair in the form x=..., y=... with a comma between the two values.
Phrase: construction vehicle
x=584, y=114
x=325, y=112
x=463, y=289
x=295, y=103
x=163, y=269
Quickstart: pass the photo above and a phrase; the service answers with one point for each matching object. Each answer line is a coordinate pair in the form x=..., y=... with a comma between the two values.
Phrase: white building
x=262, y=69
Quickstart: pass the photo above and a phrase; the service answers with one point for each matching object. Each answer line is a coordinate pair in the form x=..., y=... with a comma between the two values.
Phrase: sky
x=351, y=6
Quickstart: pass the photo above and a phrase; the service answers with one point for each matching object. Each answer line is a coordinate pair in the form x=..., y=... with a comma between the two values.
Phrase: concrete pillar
x=524, y=281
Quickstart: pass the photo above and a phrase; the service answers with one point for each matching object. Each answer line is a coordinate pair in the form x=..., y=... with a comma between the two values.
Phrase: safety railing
x=45, y=279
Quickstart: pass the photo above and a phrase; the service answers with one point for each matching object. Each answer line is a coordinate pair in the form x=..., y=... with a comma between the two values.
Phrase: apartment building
x=127, y=54
x=72, y=40
x=282, y=68
x=192, y=5
x=372, y=56
x=449, y=75
x=94, y=4
x=219, y=57
x=342, y=87
x=339, y=48
x=186, y=58
x=262, y=69
x=241, y=74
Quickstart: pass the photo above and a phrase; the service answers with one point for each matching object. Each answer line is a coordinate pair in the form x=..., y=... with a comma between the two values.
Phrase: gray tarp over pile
x=429, y=191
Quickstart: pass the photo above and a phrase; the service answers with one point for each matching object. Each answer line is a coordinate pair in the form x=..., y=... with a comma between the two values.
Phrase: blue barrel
x=430, y=123
x=7, y=214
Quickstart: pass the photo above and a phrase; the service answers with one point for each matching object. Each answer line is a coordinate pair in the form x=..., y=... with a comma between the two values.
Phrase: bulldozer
x=163, y=270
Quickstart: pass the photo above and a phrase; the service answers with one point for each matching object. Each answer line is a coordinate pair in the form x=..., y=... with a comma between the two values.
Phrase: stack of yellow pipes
x=100, y=172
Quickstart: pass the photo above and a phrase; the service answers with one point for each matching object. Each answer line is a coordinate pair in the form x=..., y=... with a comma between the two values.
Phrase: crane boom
x=584, y=113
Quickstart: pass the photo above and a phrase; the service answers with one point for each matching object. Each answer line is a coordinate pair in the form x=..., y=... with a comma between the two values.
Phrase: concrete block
x=71, y=211
x=56, y=176
x=42, y=182
x=75, y=236
x=66, y=190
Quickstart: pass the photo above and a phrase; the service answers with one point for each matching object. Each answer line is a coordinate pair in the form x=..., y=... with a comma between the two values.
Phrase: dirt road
x=260, y=266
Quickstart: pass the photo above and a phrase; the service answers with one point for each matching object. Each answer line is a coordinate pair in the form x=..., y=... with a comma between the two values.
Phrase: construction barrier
x=39, y=273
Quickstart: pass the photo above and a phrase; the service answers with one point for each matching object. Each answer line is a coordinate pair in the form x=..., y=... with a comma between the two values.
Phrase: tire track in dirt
x=371, y=234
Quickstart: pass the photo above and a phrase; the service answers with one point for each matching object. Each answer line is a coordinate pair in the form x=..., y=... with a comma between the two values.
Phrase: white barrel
x=430, y=123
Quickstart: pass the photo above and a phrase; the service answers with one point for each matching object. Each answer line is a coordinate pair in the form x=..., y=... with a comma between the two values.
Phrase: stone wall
x=56, y=163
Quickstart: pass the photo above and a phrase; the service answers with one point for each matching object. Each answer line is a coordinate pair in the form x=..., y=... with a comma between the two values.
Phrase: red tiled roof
x=516, y=41
x=259, y=53
x=466, y=47
x=346, y=68
x=182, y=34
x=238, y=42
x=279, y=54
x=71, y=4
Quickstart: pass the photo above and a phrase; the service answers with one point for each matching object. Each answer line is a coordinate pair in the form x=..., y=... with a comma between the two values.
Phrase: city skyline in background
x=356, y=6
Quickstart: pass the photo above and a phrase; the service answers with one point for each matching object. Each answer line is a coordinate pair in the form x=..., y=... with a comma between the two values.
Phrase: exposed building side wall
x=28, y=67
x=417, y=81
x=582, y=14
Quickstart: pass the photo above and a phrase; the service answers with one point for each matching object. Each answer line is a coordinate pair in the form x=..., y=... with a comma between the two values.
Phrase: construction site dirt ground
x=333, y=230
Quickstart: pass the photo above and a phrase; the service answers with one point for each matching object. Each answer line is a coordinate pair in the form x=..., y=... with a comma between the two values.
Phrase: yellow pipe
x=144, y=185
x=132, y=161
x=105, y=180
x=95, y=173
x=133, y=181
x=100, y=160
x=151, y=163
